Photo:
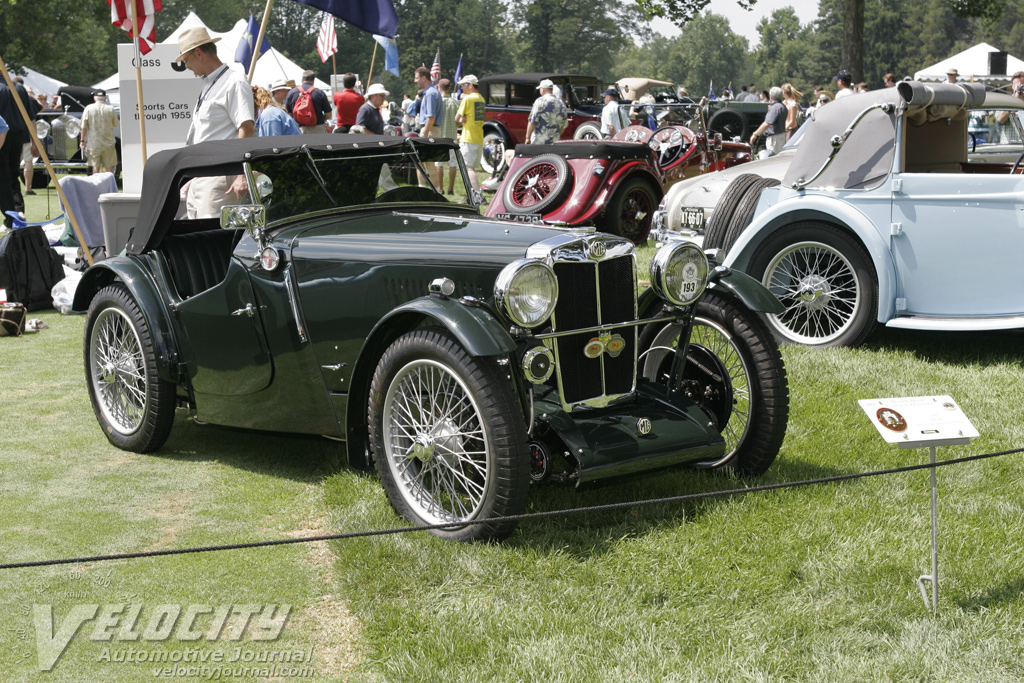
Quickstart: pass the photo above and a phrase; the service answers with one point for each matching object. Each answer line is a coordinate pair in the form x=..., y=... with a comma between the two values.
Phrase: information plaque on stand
x=922, y=422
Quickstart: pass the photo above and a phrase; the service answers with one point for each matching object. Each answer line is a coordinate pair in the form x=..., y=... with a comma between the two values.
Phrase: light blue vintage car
x=884, y=217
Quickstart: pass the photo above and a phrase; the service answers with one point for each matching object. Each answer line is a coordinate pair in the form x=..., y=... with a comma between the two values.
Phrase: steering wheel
x=670, y=143
x=1016, y=164
x=411, y=193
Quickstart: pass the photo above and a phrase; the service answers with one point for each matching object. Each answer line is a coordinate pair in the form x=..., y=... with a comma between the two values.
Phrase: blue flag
x=711, y=89
x=373, y=16
x=390, y=53
x=243, y=53
x=458, y=77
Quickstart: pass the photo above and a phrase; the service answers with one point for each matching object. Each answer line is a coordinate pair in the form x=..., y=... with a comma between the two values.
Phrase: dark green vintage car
x=463, y=357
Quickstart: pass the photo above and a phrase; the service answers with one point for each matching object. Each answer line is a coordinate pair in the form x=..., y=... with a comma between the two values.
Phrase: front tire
x=826, y=281
x=134, y=406
x=448, y=437
x=492, y=157
x=735, y=371
x=587, y=131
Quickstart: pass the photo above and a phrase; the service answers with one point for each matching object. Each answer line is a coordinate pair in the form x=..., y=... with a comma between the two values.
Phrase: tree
x=778, y=55
x=707, y=50
x=681, y=11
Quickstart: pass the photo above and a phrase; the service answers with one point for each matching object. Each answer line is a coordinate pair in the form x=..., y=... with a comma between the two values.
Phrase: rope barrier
x=510, y=518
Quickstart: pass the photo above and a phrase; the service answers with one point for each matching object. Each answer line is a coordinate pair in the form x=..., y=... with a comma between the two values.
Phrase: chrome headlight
x=679, y=273
x=527, y=290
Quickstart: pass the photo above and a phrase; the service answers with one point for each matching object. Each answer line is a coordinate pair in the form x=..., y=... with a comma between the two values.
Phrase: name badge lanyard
x=199, y=102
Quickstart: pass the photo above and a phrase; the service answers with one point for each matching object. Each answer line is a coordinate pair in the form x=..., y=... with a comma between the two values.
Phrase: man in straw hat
x=224, y=111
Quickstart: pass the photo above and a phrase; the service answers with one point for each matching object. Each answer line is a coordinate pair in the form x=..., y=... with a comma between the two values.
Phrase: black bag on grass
x=29, y=267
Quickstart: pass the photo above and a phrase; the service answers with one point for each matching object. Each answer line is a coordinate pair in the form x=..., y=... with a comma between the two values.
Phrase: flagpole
x=369, y=79
x=334, y=77
x=46, y=161
x=138, y=81
x=259, y=40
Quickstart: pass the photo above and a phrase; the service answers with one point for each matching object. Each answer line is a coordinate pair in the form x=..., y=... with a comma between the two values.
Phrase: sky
x=745, y=23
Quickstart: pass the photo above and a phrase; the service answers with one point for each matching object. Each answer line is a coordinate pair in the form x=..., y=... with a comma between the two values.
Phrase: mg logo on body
x=595, y=251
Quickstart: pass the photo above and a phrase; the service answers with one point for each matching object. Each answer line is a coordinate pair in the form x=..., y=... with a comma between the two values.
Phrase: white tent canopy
x=40, y=83
x=971, y=65
x=271, y=67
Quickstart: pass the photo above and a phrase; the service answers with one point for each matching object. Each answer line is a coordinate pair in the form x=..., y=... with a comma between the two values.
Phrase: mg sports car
x=460, y=356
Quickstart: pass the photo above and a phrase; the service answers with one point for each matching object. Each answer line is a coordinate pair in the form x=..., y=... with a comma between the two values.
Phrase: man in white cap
x=548, y=118
x=471, y=115
x=225, y=110
x=99, y=120
x=951, y=75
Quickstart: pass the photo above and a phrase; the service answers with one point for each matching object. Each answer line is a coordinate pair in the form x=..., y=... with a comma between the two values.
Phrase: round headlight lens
x=527, y=290
x=679, y=273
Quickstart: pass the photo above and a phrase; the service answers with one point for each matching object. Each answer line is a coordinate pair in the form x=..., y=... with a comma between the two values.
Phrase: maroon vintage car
x=615, y=184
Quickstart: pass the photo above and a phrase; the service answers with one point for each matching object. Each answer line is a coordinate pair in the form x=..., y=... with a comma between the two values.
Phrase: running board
x=918, y=322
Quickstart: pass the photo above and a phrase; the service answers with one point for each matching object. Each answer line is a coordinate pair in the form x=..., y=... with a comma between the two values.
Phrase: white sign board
x=919, y=420
x=168, y=96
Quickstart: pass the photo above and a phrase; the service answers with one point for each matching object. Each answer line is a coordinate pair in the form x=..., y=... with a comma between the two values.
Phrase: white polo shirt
x=225, y=104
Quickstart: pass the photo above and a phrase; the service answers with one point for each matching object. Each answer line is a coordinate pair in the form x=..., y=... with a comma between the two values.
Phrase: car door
x=225, y=346
x=958, y=242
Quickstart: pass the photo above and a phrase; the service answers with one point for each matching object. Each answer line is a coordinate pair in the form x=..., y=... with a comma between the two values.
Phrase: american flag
x=327, y=41
x=435, y=69
x=145, y=11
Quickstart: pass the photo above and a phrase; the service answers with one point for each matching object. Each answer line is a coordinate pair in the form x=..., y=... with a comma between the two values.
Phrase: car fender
x=139, y=281
x=498, y=127
x=772, y=215
x=475, y=327
x=746, y=290
x=612, y=183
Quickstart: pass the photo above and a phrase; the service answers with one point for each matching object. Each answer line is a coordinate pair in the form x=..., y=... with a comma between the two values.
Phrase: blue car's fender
x=771, y=216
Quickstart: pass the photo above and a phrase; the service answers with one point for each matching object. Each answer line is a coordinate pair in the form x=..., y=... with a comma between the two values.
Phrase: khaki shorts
x=206, y=196
x=451, y=163
x=102, y=158
x=471, y=153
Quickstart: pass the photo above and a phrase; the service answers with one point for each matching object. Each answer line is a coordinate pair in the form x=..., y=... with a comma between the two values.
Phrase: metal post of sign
x=934, y=577
x=916, y=422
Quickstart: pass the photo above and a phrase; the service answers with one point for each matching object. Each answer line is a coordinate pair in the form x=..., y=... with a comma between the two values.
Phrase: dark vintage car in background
x=460, y=356
x=510, y=98
x=614, y=184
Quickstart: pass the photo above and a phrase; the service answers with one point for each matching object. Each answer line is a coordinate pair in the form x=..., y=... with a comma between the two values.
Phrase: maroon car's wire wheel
x=636, y=214
x=534, y=186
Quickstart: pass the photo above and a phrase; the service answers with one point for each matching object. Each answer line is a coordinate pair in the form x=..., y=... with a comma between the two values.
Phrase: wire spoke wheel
x=118, y=371
x=532, y=187
x=434, y=443
x=734, y=371
x=134, y=406
x=448, y=437
x=820, y=290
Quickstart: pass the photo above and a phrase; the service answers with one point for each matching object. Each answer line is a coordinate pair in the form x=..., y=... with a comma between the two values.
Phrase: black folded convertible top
x=613, y=150
x=167, y=171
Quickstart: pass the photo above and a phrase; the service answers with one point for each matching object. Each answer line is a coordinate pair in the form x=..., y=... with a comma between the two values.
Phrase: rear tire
x=630, y=212
x=448, y=437
x=134, y=406
x=718, y=224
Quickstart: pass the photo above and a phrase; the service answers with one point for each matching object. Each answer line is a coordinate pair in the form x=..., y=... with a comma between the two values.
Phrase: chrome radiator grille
x=596, y=292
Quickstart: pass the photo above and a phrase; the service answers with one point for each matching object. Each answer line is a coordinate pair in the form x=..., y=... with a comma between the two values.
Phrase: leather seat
x=198, y=260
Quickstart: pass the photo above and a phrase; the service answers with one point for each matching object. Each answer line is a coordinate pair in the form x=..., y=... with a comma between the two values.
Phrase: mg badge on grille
x=643, y=426
x=614, y=345
x=595, y=251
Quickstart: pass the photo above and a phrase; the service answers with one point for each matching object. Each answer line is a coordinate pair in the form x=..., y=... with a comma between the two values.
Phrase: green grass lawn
x=810, y=584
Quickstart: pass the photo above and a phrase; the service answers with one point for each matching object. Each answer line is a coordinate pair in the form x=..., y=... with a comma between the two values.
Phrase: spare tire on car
x=539, y=185
x=718, y=224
